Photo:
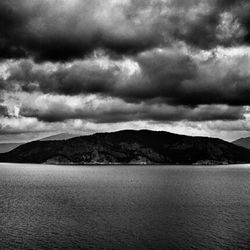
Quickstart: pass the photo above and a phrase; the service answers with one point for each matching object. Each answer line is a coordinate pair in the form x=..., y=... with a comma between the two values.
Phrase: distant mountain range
x=243, y=142
x=59, y=137
x=6, y=147
x=130, y=147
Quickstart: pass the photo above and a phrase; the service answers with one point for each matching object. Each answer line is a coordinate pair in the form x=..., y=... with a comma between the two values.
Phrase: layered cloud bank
x=95, y=65
x=62, y=30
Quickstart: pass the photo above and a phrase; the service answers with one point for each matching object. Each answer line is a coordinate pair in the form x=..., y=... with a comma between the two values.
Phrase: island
x=130, y=147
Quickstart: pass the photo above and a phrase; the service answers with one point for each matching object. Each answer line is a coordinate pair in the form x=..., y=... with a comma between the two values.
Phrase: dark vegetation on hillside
x=130, y=147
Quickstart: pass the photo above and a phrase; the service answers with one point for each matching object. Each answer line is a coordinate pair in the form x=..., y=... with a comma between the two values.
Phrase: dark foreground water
x=124, y=207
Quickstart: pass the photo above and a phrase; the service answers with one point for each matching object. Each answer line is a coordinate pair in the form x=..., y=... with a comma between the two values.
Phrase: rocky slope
x=130, y=147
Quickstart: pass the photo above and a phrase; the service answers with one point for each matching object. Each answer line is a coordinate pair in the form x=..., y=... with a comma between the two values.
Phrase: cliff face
x=130, y=147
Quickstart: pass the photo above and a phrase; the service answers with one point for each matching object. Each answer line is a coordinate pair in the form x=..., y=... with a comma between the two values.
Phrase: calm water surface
x=124, y=207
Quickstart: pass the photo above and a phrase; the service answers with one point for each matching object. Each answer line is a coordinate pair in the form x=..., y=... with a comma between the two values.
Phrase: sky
x=86, y=66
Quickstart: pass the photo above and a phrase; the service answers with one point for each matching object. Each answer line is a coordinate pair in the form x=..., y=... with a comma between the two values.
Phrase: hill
x=6, y=147
x=243, y=142
x=59, y=137
x=130, y=147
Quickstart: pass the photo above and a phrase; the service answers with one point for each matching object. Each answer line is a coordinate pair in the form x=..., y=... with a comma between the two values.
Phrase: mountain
x=6, y=147
x=243, y=142
x=59, y=137
x=130, y=147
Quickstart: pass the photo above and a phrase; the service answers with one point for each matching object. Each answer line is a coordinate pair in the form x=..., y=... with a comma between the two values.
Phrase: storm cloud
x=159, y=76
x=65, y=30
x=3, y=110
x=68, y=63
x=50, y=108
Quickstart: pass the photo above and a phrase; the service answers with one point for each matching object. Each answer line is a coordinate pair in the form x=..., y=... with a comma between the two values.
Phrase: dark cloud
x=78, y=78
x=64, y=30
x=180, y=79
x=60, y=30
x=165, y=76
x=81, y=48
x=107, y=110
x=3, y=111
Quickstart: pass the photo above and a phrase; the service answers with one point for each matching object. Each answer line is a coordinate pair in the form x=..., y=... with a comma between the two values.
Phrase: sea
x=124, y=207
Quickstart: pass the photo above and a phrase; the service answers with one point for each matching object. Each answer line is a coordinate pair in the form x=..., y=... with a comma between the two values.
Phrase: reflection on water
x=124, y=207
